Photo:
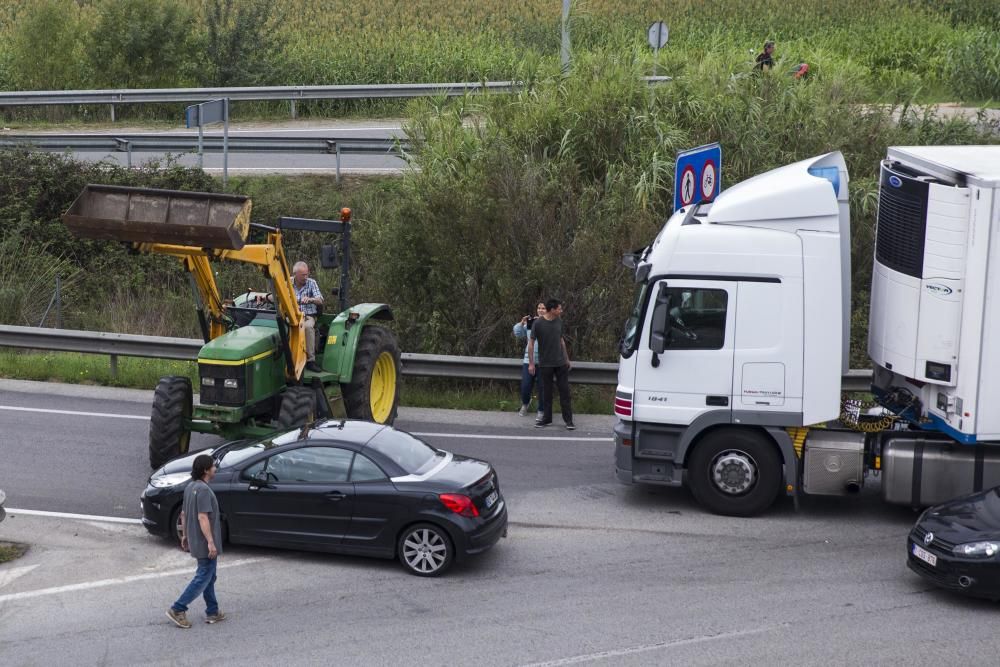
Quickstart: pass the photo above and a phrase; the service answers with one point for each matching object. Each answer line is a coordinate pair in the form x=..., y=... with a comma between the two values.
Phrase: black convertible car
x=348, y=487
x=956, y=545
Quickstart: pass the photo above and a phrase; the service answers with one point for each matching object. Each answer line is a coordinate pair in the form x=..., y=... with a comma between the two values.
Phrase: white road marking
x=102, y=583
x=480, y=436
x=470, y=436
x=7, y=576
x=645, y=648
x=72, y=413
x=67, y=515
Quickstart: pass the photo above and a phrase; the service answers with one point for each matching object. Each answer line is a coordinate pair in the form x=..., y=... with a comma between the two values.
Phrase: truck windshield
x=632, y=325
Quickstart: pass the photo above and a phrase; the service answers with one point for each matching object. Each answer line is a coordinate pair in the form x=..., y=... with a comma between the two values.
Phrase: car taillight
x=623, y=406
x=459, y=504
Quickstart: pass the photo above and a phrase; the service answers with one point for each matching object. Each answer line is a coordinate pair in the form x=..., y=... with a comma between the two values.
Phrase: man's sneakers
x=570, y=426
x=215, y=618
x=179, y=618
x=540, y=416
x=523, y=412
x=542, y=424
x=314, y=367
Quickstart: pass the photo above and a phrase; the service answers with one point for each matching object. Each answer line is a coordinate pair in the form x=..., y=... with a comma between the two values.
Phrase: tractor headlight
x=977, y=549
x=208, y=382
x=231, y=383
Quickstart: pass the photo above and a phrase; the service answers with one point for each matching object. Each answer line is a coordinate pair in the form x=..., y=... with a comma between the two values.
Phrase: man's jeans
x=528, y=382
x=202, y=584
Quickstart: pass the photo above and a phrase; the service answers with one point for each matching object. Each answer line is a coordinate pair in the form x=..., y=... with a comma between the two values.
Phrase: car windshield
x=236, y=454
x=411, y=454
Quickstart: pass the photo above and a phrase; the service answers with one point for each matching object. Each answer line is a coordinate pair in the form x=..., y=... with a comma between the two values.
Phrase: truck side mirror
x=659, y=332
x=328, y=257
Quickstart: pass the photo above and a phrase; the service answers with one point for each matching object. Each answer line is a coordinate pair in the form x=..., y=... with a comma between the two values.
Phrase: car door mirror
x=659, y=332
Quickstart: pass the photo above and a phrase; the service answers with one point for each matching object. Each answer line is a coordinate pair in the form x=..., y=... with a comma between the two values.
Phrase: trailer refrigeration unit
x=731, y=362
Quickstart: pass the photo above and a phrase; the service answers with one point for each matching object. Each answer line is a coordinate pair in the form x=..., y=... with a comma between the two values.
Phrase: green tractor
x=252, y=368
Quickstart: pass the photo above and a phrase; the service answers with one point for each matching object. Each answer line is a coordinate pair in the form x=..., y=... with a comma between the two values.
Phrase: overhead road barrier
x=415, y=365
x=186, y=143
x=278, y=93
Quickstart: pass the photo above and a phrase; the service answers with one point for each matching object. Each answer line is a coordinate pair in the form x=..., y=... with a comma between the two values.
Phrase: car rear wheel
x=735, y=472
x=425, y=550
x=168, y=433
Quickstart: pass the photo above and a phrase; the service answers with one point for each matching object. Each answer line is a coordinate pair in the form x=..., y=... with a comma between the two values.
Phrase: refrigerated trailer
x=732, y=358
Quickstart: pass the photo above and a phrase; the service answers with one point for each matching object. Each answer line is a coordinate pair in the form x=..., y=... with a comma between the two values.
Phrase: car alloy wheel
x=425, y=550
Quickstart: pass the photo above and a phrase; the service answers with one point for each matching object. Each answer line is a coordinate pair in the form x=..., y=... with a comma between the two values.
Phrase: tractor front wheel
x=168, y=434
x=373, y=393
x=298, y=407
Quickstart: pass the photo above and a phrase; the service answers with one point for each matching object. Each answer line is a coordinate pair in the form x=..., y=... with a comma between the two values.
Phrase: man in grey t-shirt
x=201, y=535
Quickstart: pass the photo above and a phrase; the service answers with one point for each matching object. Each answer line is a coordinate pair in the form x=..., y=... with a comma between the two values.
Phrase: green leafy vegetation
x=11, y=550
x=927, y=49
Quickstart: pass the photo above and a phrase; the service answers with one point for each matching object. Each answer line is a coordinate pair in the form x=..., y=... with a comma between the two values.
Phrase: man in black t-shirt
x=764, y=60
x=553, y=361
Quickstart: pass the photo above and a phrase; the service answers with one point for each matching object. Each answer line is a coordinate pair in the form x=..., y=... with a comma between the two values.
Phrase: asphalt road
x=593, y=572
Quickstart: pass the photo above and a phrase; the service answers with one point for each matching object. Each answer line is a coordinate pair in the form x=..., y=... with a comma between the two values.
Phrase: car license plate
x=924, y=555
x=491, y=499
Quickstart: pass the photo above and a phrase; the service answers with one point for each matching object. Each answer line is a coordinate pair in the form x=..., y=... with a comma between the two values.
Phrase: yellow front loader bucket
x=146, y=215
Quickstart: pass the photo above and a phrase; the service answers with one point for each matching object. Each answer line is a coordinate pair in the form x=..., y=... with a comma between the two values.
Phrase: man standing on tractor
x=309, y=297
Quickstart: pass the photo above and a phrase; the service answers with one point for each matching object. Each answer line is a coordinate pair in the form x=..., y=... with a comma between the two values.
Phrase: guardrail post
x=114, y=365
x=294, y=115
x=337, y=147
x=112, y=112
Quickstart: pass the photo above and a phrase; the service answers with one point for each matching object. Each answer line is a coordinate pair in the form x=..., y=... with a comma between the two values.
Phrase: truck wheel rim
x=425, y=550
x=383, y=387
x=734, y=472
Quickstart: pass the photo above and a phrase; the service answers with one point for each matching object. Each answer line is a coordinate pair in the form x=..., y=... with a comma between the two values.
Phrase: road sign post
x=658, y=36
x=213, y=111
x=698, y=175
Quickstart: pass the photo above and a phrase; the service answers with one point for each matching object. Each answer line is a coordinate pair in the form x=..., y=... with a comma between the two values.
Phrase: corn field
x=930, y=49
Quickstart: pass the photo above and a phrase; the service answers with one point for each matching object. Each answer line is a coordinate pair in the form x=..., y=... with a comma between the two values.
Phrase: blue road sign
x=698, y=175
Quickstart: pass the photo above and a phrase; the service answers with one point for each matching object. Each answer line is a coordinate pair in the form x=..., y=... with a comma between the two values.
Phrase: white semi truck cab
x=729, y=379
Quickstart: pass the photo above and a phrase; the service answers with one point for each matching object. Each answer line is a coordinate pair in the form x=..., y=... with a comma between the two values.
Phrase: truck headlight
x=231, y=384
x=977, y=549
x=207, y=382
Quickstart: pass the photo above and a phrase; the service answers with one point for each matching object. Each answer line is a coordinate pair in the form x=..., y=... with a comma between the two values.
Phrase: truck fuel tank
x=927, y=469
x=833, y=463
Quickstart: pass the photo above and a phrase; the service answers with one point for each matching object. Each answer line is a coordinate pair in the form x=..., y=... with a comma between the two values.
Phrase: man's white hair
x=299, y=265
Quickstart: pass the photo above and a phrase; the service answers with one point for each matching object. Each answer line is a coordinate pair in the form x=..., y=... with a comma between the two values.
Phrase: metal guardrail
x=291, y=93
x=417, y=365
x=186, y=143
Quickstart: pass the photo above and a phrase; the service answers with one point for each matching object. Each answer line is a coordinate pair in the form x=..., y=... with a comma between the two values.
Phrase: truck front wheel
x=373, y=393
x=735, y=472
x=168, y=434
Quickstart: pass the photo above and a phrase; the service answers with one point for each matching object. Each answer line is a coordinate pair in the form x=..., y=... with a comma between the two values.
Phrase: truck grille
x=902, y=222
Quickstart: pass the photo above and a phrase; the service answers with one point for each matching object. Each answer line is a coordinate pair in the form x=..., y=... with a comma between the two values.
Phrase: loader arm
x=270, y=257
x=197, y=228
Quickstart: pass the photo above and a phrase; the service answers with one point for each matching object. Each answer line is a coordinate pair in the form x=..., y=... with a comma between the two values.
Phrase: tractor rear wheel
x=168, y=435
x=373, y=392
x=298, y=407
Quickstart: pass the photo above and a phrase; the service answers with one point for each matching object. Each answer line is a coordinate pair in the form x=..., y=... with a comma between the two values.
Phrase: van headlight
x=166, y=481
x=977, y=549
